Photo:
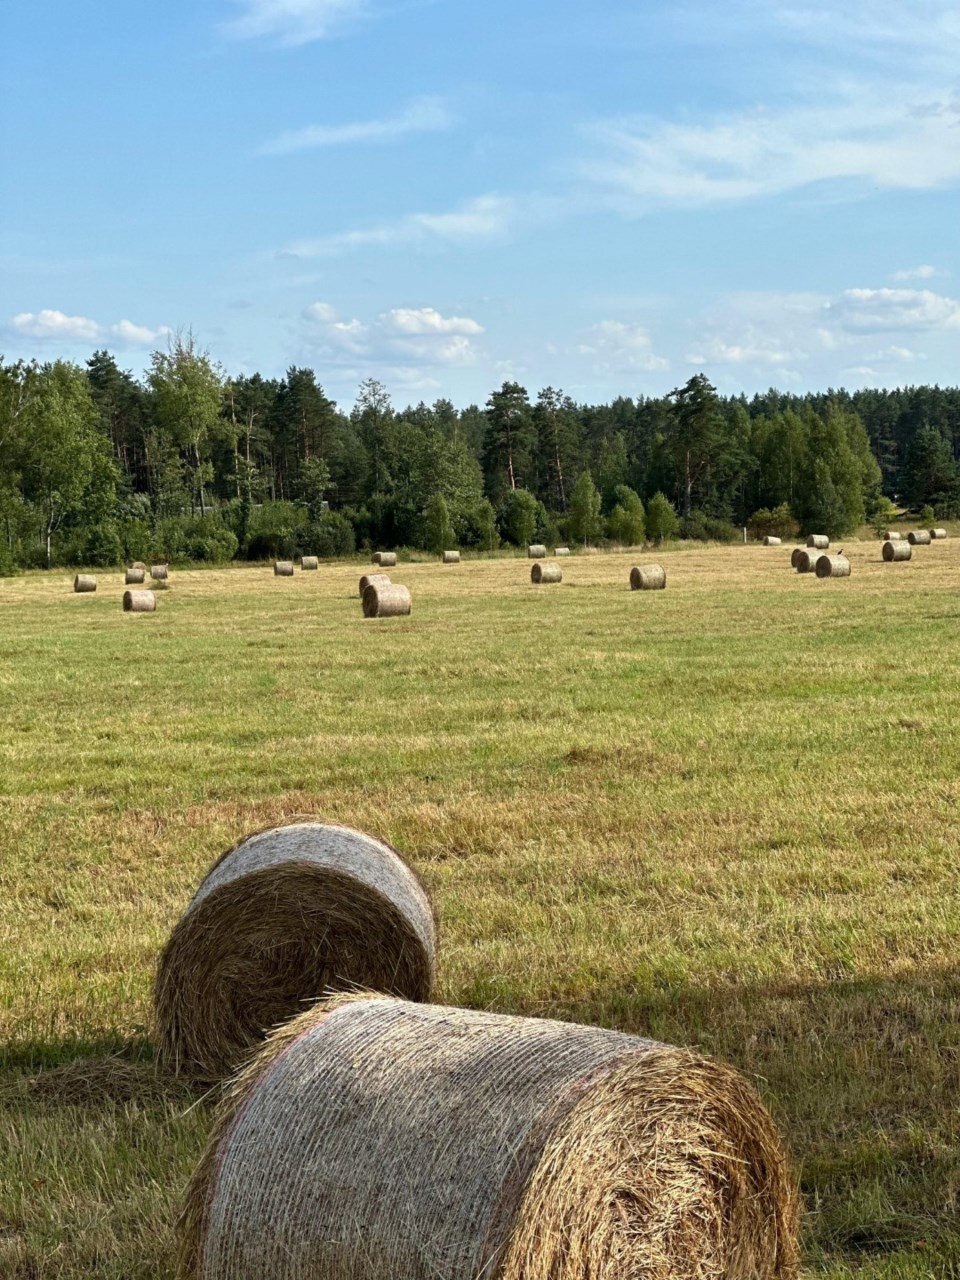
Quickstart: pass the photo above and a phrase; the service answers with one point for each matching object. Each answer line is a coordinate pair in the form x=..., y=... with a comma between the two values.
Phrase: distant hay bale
x=139, y=602
x=451, y=557
x=159, y=572
x=818, y=540
x=386, y=600
x=648, y=577
x=309, y=562
x=919, y=538
x=771, y=541
x=541, y=573
x=386, y=559
x=937, y=534
x=134, y=576
x=84, y=582
x=807, y=560
x=138, y=564
x=897, y=551
x=536, y=551
x=561, y=551
x=832, y=567
x=381, y=580
x=283, y=568
x=373, y=1139
x=281, y=919
x=892, y=536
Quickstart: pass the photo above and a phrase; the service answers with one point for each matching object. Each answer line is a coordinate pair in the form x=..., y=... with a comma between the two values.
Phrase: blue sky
x=444, y=194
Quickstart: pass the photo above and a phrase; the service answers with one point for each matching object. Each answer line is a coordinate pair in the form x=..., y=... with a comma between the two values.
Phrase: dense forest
x=97, y=467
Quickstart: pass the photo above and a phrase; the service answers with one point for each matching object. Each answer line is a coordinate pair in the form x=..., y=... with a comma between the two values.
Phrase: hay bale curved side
x=159, y=572
x=386, y=600
x=132, y=577
x=281, y=919
x=832, y=567
x=451, y=557
x=771, y=541
x=937, y=534
x=896, y=551
x=919, y=538
x=386, y=559
x=309, y=562
x=84, y=582
x=561, y=551
x=536, y=551
x=819, y=541
x=139, y=602
x=892, y=536
x=283, y=568
x=807, y=560
x=373, y=1139
x=648, y=577
x=381, y=579
x=541, y=572
x=138, y=564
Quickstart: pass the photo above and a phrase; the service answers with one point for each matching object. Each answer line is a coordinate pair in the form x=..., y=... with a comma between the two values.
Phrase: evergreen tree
x=508, y=442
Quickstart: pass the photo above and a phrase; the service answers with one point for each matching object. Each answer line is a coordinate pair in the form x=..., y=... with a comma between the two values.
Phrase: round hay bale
x=381, y=580
x=386, y=559
x=892, y=536
x=84, y=582
x=134, y=576
x=807, y=560
x=159, y=572
x=897, y=551
x=937, y=534
x=372, y=1139
x=139, y=602
x=309, y=562
x=648, y=577
x=386, y=600
x=536, y=551
x=795, y=555
x=280, y=920
x=771, y=541
x=832, y=567
x=820, y=541
x=451, y=557
x=546, y=573
x=562, y=551
x=283, y=568
x=919, y=538
x=138, y=564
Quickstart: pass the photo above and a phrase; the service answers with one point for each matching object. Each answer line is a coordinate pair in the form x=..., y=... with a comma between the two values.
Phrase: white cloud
x=752, y=349
x=924, y=272
x=483, y=218
x=426, y=320
x=138, y=335
x=869, y=310
x=292, y=22
x=615, y=345
x=55, y=324
x=413, y=336
x=425, y=115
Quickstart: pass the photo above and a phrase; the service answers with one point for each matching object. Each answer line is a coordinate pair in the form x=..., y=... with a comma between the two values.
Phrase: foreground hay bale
x=919, y=538
x=309, y=562
x=536, y=551
x=386, y=600
x=134, y=576
x=84, y=582
x=807, y=560
x=159, y=572
x=139, y=602
x=937, y=534
x=381, y=580
x=283, y=568
x=771, y=541
x=818, y=540
x=832, y=567
x=281, y=918
x=561, y=551
x=897, y=551
x=373, y=1139
x=451, y=557
x=541, y=573
x=648, y=577
x=386, y=559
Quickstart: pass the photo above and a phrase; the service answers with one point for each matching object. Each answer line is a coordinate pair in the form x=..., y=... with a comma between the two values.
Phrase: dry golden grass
x=725, y=814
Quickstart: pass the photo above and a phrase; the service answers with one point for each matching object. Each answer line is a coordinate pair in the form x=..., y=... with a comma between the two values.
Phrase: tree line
x=98, y=467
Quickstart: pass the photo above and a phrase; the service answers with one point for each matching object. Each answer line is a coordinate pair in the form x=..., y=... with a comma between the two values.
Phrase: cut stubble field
x=725, y=815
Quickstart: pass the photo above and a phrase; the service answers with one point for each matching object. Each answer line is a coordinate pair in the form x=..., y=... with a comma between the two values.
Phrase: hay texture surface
x=795, y=555
x=309, y=562
x=386, y=559
x=771, y=541
x=451, y=557
x=139, y=602
x=937, y=534
x=378, y=1140
x=819, y=541
x=536, y=551
x=159, y=572
x=562, y=551
x=546, y=573
x=919, y=538
x=897, y=551
x=283, y=918
x=134, y=577
x=893, y=536
x=807, y=560
x=648, y=577
x=84, y=582
x=832, y=567
x=283, y=568
x=381, y=579
x=386, y=600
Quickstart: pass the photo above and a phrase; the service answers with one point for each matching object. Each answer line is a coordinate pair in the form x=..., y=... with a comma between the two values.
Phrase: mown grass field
x=727, y=815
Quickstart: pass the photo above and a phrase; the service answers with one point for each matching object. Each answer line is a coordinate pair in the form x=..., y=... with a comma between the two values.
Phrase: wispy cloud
x=404, y=336
x=424, y=115
x=484, y=218
x=292, y=22
x=870, y=310
x=50, y=325
x=615, y=346
x=924, y=272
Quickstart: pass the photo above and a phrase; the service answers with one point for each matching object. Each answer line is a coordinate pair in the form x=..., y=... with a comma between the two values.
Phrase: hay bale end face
x=771, y=541
x=648, y=577
x=139, y=602
x=84, y=582
x=283, y=568
x=938, y=534
x=562, y=551
x=134, y=576
x=832, y=567
x=281, y=919
x=819, y=541
x=919, y=538
x=795, y=555
x=894, y=551
x=159, y=572
x=381, y=579
x=386, y=600
x=451, y=557
x=513, y=1148
x=807, y=560
x=309, y=562
x=536, y=551
x=542, y=573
